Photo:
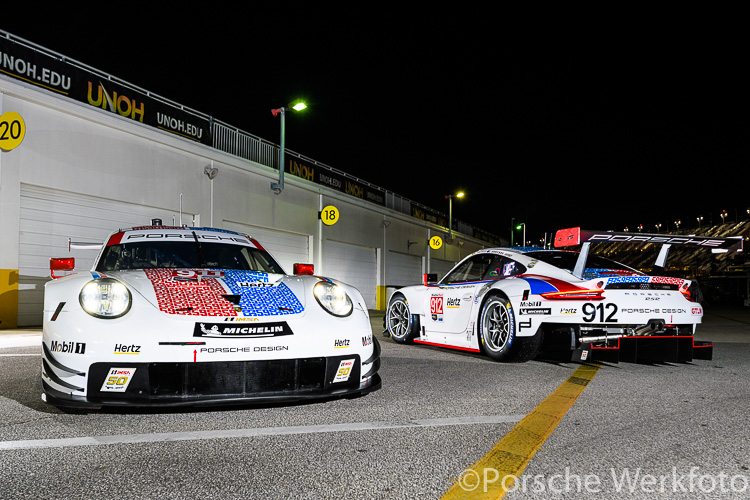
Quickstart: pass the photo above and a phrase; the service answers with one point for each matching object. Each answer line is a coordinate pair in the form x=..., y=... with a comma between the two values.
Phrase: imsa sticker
x=345, y=369
x=118, y=379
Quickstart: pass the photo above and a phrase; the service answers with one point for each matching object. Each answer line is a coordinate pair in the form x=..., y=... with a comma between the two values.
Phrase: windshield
x=186, y=254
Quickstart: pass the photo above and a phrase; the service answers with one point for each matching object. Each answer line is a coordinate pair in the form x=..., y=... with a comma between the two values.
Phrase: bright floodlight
x=299, y=106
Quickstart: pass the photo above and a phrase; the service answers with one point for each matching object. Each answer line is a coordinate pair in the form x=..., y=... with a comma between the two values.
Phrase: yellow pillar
x=382, y=297
x=8, y=298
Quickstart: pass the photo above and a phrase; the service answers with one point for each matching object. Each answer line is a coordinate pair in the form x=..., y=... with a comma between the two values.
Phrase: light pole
x=450, y=197
x=278, y=187
x=523, y=243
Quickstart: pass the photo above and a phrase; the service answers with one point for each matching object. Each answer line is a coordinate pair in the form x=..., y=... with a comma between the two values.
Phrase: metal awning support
x=583, y=256
x=661, y=259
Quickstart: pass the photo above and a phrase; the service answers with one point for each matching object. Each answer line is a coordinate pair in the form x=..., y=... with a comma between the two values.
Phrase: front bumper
x=168, y=384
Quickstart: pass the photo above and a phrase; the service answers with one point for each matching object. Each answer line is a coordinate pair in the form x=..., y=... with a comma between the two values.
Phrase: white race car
x=513, y=304
x=177, y=315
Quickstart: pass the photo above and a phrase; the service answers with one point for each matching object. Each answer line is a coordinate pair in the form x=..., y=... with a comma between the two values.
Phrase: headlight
x=332, y=298
x=105, y=298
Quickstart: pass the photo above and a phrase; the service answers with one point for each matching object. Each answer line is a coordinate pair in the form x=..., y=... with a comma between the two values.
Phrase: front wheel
x=399, y=321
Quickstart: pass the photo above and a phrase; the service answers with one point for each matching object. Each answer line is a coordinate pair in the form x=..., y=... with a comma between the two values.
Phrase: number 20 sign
x=12, y=130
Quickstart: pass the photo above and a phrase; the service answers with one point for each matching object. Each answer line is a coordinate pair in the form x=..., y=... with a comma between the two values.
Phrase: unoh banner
x=66, y=79
x=320, y=174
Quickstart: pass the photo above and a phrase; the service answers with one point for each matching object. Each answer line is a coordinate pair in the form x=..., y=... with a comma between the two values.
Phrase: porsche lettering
x=675, y=240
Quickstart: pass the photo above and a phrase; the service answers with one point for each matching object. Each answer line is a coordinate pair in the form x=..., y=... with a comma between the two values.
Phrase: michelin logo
x=220, y=330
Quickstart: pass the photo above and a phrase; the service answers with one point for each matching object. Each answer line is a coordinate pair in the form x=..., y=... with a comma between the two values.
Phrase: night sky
x=556, y=124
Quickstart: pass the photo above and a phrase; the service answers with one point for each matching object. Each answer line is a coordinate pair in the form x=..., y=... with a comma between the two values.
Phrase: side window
x=504, y=267
x=472, y=269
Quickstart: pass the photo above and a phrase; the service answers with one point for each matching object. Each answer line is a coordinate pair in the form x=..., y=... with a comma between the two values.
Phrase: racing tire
x=399, y=322
x=527, y=348
x=497, y=328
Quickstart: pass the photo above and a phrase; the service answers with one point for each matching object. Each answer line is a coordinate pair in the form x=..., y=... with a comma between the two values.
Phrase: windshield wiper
x=201, y=260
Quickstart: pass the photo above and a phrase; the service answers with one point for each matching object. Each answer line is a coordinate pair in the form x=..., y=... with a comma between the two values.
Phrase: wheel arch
x=411, y=296
x=413, y=327
x=524, y=347
x=513, y=290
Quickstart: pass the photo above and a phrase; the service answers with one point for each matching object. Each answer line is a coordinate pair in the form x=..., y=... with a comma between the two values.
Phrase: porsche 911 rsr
x=176, y=315
x=511, y=304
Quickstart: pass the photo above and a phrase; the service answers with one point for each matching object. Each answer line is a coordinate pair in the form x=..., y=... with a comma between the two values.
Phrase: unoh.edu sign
x=66, y=79
x=320, y=174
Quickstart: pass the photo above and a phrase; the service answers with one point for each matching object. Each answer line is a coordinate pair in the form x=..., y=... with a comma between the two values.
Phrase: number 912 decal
x=601, y=313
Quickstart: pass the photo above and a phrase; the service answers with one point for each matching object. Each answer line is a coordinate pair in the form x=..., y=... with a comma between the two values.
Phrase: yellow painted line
x=493, y=475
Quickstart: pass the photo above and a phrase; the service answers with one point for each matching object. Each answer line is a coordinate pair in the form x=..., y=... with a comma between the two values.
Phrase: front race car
x=184, y=316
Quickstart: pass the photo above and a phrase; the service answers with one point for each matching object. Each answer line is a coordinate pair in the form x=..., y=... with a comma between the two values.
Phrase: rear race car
x=184, y=316
x=513, y=303
x=658, y=315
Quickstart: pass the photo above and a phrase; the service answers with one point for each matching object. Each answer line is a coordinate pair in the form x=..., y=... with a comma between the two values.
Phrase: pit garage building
x=84, y=153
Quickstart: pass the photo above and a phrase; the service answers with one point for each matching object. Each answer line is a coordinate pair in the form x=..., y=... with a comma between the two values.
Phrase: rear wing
x=578, y=236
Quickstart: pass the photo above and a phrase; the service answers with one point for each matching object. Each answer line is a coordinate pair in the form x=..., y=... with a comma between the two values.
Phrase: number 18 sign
x=329, y=215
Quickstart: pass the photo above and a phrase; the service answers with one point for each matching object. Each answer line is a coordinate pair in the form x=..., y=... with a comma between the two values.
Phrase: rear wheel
x=497, y=327
x=399, y=322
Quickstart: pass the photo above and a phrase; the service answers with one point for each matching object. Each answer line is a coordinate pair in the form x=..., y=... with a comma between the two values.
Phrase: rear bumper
x=645, y=349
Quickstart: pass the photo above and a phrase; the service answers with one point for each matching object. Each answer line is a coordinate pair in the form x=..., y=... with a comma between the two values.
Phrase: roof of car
x=177, y=233
x=177, y=228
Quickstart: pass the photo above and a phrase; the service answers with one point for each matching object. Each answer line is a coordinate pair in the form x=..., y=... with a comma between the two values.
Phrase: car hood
x=219, y=293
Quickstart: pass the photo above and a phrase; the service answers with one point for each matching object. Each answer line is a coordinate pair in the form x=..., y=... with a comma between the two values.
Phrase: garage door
x=49, y=217
x=441, y=267
x=354, y=265
x=287, y=248
x=403, y=269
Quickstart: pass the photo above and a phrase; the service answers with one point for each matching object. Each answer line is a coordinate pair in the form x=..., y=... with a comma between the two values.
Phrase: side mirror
x=304, y=269
x=63, y=264
x=429, y=278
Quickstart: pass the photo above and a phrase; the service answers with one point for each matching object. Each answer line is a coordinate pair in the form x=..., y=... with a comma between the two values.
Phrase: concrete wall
x=81, y=151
